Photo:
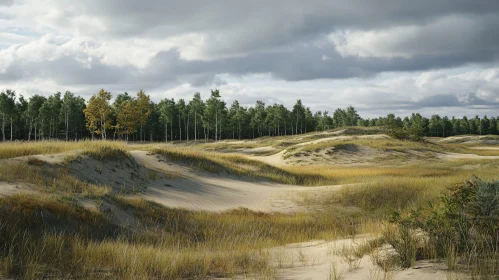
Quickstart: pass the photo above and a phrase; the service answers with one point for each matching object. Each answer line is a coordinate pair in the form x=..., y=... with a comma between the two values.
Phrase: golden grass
x=382, y=144
x=396, y=145
x=49, y=179
x=235, y=164
x=20, y=149
x=44, y=236
x=52, y=236
x=391, y=188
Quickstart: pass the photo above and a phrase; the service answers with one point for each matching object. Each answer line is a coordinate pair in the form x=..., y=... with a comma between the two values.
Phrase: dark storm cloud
x=302, y=63
x=440, y=100
x=6, y=2
x=289, y=40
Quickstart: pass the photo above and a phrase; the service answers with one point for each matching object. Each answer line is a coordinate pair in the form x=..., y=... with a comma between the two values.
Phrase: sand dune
x=324, y=260
x=212, y=192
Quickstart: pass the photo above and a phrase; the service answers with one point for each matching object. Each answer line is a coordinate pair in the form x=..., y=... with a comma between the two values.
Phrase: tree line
x=137, y=118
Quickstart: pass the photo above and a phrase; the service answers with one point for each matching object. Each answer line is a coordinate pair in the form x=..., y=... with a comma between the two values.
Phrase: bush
x=464, y=223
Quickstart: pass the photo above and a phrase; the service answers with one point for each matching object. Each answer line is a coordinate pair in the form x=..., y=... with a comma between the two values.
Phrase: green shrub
x=463, y=224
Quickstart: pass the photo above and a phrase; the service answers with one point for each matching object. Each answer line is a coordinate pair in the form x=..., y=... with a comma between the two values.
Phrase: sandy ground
x=212, y=192
x=327, y=259
x=469, y=139
x=451, y=156
x=51, y=158
x=343, y=138
x=484, y=148
x=278, y=158
x=176, y=185
x=7, y=189
x=257, y=150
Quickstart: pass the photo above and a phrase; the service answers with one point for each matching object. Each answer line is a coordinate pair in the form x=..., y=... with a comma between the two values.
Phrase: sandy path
x=323, y=259
x=484, y=148
x=451, y=156
x=211, y=192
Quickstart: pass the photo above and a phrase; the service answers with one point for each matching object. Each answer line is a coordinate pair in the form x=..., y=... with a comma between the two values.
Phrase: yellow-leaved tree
x=98, y=113
x=127, y=117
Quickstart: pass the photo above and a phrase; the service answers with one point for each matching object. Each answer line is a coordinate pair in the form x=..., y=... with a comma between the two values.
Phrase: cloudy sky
x=380, y=56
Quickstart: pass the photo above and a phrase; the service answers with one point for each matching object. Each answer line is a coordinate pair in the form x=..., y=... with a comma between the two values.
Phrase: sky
x=384, y=56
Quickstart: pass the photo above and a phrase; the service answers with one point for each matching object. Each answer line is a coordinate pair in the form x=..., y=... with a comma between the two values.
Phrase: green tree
x=214, y=113
x=237, y=116
x=197, y=108
x=7, y=109
x=143, y=107
x=167, y=112
x=298, y=114
x=351, y=116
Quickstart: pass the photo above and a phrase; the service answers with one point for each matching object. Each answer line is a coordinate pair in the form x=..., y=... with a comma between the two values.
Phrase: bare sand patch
x=330, y=260
x=7, y=189
x=344, y=138
x=48, y=158
x=196, y=190
x=452, y=156
x=471, y=139
x=484, y=148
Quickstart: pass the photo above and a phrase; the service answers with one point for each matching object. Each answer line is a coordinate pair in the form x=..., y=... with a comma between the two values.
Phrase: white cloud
x=173, y=49
x=449, y=34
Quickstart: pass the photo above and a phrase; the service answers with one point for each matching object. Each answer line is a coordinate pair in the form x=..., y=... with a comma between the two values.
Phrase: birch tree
x=196, y=108
x=143, y=107
x=97, y=113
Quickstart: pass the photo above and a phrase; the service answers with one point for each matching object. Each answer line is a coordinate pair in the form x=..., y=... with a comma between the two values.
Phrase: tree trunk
x=216, y=125
x=195, y=126
x=67, y=125
x=180, y=127
x=187, y=128
x=166, y=132
x=3, y=127
x=30, y=127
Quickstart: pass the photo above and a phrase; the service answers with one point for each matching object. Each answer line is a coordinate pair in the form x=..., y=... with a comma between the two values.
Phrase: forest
x=137, y=118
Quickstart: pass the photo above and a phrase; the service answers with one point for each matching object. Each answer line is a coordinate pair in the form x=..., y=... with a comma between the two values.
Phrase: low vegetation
x=462, y=228
x=21, y=149
x=52, y=236
x=65, y=227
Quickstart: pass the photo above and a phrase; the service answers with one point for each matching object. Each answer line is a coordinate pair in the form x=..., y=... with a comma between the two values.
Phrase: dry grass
x=379, y=191
x=235, y=164
x=395, y=145
x=49, y=236
x=49, y=179
x=20, y=149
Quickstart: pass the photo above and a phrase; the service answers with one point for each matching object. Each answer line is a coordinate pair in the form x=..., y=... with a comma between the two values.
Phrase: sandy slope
x=344, y=138
x=7, y=189
x=484, y=148
x=451, y=156
x=324, y=259
x=49, y=158
x=278, y=160
x=212, y=192
x=469, y=139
